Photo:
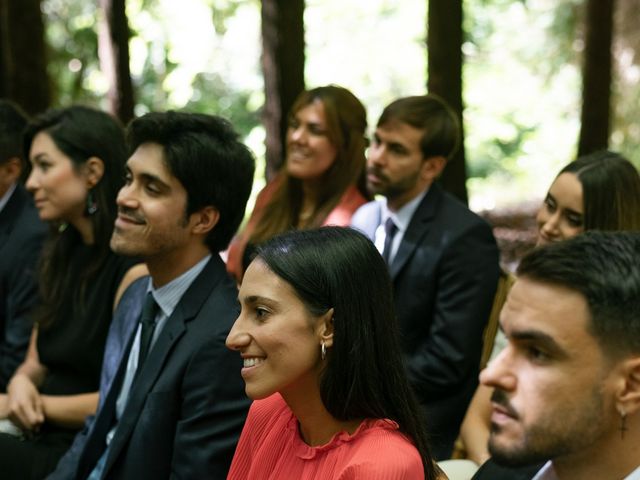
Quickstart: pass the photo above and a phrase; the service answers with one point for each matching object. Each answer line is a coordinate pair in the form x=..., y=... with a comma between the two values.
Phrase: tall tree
x=113, y=50
x=444, y=78
x=23, y=55
x=596, y=77
x=283, y=69
x=4, y=86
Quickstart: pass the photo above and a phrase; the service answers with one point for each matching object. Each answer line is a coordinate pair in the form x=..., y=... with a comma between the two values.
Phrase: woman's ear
x=93, y=170
x=204, y=220
x=325, y=328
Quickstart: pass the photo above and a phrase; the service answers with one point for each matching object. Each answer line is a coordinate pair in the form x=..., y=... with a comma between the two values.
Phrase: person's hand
x=24, y=402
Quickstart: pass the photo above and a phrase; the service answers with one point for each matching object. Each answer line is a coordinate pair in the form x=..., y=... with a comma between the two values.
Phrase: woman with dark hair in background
x=322, y=179
x=78, y=157
x=322, y=361
x=599, y=191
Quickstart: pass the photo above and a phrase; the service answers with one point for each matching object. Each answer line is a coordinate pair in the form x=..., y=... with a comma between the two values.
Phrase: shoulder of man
x=453, y=205
x=23, y=222
x=367, y=218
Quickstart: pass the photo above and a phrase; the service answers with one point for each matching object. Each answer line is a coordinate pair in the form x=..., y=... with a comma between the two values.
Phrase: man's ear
x=93, y=171
x=12, y=169
x=628, y=398
x=325, y=328
x=204, y=220
x=432, y=167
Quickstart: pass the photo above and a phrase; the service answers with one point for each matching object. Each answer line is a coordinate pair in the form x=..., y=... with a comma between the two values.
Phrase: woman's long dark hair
x=364, y=375
x=80, y=133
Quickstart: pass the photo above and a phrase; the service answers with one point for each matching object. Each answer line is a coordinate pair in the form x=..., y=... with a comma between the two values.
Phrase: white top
x=548, y=473
x=402, y=218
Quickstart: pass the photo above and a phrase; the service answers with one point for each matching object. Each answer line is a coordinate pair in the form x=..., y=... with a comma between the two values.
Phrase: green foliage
x=71, y=29
x=521, y=77
x=221, y=10
x=213, y=95
x=499, y=155
x=73, y=46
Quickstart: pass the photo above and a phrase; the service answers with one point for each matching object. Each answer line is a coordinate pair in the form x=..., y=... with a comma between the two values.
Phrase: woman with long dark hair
x=322, y=361
x=322, y=179
x=77, y=156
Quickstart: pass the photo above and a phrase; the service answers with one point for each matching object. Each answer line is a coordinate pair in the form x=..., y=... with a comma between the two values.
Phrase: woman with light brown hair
x=322, y=179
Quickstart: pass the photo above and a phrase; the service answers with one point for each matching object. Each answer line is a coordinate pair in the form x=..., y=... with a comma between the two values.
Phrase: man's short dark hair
x=431, y=114
x=604, y=267
x=12, y=122
x=204, y=153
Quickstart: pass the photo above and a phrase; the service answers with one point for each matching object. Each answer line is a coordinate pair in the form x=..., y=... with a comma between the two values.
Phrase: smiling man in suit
x=567, y=385
x=442, y=257
x=176, y=405
x=21, y=237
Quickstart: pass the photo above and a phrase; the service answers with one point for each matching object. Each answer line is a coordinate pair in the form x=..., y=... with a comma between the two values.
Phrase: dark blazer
x=187, y=406
x=492, y=471
x=444, y=277
x=21, y=237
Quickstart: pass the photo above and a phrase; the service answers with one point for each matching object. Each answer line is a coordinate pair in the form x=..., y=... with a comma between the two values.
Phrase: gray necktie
x=148, y=325
x=390, y=230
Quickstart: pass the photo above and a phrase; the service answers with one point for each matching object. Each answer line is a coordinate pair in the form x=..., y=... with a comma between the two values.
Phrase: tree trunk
x=283, y=69
x=113, y=50
x=23, y=55
x=444, y=46
x=4, y=72
x=596, y=80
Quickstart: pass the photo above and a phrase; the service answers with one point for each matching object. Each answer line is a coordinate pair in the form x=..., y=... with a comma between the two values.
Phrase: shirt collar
x=168, y=296
x=548, y=473
x=635, y=475
x=403, y=215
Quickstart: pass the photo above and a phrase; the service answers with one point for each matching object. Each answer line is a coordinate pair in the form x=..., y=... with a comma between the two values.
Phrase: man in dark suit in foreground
x=176, y=405
x=567, y=386
x=21, y=237
x=443, y=258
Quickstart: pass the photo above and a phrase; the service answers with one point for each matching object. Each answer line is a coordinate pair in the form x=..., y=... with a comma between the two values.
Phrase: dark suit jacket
x=444, y=277
x=187, y=406
x=21, y=237
x=492, y=471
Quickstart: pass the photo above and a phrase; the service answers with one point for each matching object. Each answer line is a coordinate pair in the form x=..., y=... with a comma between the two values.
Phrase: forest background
x=535, y=81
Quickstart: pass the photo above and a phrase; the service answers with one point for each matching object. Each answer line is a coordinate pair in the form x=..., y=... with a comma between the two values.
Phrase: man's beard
x=560, y=433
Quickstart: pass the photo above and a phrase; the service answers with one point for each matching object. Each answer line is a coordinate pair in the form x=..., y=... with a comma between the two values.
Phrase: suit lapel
x=418, y=227
x=187, y=308
x=10, y=213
